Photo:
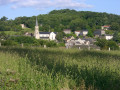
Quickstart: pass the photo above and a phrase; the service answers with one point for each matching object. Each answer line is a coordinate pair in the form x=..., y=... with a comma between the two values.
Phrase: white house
x=67, y=31
x=23, y=26
x=77, y=33
x=84, y=32
x=43, y=35
x=47, y=35
x=108, y=37
x=105, y=27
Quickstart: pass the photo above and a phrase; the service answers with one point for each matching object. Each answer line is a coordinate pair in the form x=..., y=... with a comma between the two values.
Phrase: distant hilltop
x=58, y=20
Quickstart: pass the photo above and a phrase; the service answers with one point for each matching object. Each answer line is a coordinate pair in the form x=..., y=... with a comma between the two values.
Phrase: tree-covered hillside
x=57, y=20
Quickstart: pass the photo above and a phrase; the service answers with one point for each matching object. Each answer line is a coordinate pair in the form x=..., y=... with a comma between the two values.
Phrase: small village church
x=43, y=35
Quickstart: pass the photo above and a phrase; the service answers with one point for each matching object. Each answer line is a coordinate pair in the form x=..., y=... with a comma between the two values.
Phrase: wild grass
x=59, y=69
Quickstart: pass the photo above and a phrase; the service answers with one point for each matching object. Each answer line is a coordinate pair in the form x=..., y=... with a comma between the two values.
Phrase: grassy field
x=58, y=69
x=21, y=32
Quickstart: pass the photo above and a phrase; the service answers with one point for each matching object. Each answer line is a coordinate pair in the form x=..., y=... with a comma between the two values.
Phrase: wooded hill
x=57, y=20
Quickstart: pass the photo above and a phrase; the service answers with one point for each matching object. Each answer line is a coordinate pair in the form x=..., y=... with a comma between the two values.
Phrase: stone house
x=99, y=32
x=23, y=26
x=67, y=31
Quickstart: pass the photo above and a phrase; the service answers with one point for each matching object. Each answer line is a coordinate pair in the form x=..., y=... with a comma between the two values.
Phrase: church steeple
x=36, y=33
x=36, y=21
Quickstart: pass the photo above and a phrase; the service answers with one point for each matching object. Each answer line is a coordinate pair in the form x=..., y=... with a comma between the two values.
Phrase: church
x=43, y=35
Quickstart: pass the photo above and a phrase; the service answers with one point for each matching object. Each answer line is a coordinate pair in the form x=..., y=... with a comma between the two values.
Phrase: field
x=58, y=69
x=21, y=32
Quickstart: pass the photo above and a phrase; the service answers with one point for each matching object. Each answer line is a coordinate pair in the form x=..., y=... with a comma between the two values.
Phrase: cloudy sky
x=16, y=8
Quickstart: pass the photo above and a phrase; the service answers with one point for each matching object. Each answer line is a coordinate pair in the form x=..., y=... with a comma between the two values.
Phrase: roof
x=106, y=26
x=44, y=37
x=84, y=30
x=44, y=32
x=67, y=30
x=36, y=22
x=77, y=31
x=98, y=31
x=47, y=32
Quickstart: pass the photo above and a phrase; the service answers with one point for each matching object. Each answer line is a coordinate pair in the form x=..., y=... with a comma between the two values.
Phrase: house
x=67, y=31
x=28, y=34
x=44, y=35
x=81, y=44
x=70, y=44
x=69, y=38
x=91, y=40
x=76, y=42
x=99, y=32
x=105, y=27
x=85, y=43
x=108, y=37
x=77, y=33
x=84, y=32
x=47, y=35
x=119, y=45
x=23, y=26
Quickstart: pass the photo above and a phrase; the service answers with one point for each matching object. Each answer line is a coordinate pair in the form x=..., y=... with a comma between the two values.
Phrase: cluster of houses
x=71, y=42
x=97, y=33
x=81, y=43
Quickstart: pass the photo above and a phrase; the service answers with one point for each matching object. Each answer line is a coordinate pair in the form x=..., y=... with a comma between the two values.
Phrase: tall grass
x=56, y=69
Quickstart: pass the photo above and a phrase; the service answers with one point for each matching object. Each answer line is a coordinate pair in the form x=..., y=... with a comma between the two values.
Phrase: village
x=60, y=45
x=81, y=41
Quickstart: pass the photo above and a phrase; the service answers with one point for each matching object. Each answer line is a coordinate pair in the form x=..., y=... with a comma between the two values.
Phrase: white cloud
x=44, y=4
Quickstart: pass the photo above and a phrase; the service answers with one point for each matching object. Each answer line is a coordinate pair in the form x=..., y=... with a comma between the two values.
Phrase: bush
x=104, y=44
x=9, y=43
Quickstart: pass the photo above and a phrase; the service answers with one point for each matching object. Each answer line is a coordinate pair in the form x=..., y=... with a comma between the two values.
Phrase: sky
x=18, y=8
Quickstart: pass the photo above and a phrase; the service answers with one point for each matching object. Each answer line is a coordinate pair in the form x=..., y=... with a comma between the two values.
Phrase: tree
x=60, y=36
x=102, y=43
x=90, y=33
x=116, y=37
x=4, y=18
x=113, y=45
x=115, y=26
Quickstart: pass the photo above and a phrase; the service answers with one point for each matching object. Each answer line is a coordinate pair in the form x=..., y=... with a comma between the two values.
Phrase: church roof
x=45, y=32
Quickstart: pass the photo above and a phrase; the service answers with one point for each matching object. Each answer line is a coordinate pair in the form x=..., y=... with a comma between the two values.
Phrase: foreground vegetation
x=58, y=69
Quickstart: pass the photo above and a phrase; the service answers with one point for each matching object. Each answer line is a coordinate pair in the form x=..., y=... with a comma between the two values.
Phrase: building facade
x=77, y=33
x=43, y=35
x=67, y=31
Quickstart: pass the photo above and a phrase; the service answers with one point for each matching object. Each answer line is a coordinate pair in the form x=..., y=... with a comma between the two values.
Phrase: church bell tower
x=36, y=33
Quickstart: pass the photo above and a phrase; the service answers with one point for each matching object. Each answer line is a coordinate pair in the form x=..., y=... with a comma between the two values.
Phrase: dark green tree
x=4, y=18
x=102, y=43
x=113, y=45
x=90, y=33
x=60, y=36
x=116, y=37
x=115, y=26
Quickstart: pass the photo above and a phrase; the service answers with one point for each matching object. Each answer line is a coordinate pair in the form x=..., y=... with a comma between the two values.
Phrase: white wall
x=108, y=37
x=52, y=36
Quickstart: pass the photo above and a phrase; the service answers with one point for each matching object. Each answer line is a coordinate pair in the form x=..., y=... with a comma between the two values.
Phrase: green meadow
x=58, y=69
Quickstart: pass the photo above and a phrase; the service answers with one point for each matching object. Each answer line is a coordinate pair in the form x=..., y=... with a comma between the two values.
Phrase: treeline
x=9, y=25
x=29, y=41
x=57, y=20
